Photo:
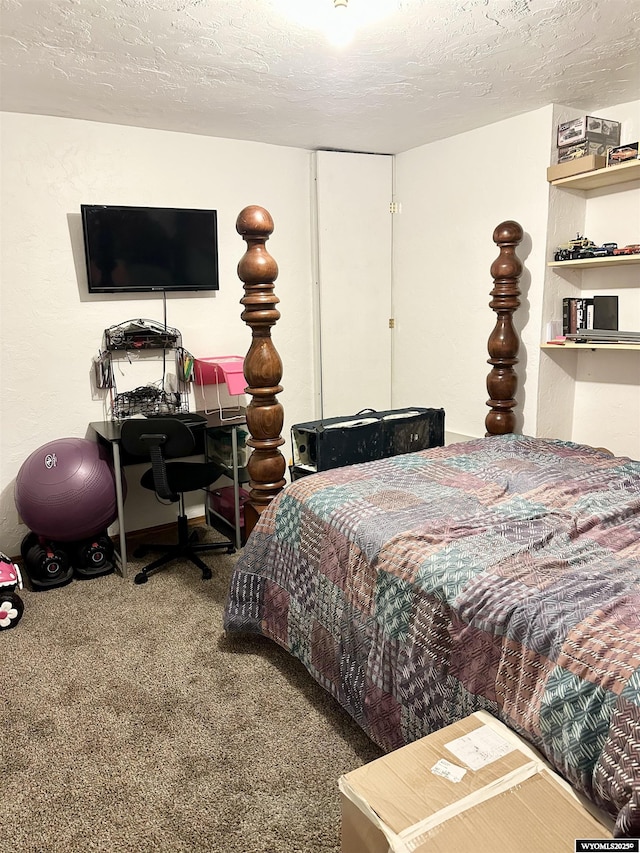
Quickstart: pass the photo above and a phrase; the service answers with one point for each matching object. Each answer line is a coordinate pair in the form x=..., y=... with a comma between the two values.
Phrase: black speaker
x=94, y=557
x=46, y=564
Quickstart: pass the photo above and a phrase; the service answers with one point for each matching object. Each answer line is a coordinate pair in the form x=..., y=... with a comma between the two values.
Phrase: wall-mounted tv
x=138, y=249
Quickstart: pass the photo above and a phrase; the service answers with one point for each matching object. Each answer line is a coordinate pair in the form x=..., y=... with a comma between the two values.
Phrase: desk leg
x=120, y=504
x=236, y=485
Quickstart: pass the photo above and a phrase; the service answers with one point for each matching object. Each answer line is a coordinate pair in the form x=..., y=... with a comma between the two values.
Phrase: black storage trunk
x=369, y=435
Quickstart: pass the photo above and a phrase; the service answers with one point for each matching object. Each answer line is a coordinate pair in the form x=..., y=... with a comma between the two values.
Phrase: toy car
x=604, y=251
x=632, y=249
x=574, y=249
x=11, y=606
x=577, y=243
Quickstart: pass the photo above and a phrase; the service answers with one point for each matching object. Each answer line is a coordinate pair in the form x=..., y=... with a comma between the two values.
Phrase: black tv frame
x=187, y=287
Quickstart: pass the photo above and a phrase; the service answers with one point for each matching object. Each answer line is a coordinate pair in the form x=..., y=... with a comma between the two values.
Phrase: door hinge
x=395, y=207
x=392, y=323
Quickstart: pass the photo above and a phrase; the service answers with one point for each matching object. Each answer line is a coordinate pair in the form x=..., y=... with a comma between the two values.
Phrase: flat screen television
x=139, y=249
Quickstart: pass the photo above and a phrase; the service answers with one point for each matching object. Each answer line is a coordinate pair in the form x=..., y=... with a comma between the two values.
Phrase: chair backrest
x=158, y=439
x=140, y=435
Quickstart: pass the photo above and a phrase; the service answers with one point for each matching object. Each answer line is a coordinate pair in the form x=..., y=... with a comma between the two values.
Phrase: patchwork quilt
x=500, y=574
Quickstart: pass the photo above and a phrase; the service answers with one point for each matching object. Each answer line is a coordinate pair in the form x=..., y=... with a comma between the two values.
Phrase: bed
x=500, y=574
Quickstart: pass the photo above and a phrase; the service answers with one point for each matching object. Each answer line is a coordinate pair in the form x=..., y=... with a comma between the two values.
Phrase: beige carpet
x=130, y=722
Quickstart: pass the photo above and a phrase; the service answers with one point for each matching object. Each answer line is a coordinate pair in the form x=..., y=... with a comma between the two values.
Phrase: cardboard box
x=474, y=785
x=588, y=129
x=622, y=153
x=576, y=167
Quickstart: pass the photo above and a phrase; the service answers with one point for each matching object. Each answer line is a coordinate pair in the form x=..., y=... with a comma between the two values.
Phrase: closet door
x=354, y=273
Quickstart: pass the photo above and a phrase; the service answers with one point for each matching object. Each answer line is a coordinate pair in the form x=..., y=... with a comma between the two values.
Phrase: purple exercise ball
x=66, y=490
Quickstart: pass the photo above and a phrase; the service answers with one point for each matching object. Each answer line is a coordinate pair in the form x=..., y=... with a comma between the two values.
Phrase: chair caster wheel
x=140, y=578
x=206, y=576
x=141, y=551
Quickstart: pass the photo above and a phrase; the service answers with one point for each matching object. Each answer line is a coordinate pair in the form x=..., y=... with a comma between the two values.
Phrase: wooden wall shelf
x=571, y=345
x=610, y=261
x=611, y=175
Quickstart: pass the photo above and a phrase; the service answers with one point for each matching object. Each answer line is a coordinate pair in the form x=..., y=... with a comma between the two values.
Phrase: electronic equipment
x=365, y=437
x=140, y=249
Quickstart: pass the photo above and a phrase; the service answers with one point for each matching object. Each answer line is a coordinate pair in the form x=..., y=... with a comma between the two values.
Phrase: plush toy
x=11, y=606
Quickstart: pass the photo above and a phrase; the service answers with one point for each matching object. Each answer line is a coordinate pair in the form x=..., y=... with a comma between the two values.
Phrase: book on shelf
x=596, y=312
x=574, y=314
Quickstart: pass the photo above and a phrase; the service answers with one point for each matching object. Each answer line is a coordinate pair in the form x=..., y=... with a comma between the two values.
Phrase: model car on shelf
x=578, y=242
x=607, y=249
x=632, y=249
x=579, y=248
x=604, y=251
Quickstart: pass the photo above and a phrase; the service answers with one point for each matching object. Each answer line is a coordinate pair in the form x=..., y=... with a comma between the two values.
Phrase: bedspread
x=500, y=574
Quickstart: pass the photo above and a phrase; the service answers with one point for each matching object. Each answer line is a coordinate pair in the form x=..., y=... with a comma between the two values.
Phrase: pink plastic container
x=224, y=368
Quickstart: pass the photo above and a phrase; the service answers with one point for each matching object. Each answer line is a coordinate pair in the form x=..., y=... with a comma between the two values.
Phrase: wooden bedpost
x=262, y=364
x=504, y=342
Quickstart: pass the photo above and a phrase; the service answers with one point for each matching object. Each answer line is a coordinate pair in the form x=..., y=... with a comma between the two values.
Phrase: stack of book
x=604, y=336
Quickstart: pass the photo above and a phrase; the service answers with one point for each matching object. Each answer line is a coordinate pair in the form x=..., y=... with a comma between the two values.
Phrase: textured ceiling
x=247, y=69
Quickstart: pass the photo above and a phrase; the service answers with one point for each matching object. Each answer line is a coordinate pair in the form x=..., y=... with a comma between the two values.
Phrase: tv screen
x=137, y=249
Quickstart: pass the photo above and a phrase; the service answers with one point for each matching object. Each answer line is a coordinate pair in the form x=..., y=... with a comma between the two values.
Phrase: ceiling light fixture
x=341, y=28
x=338, y=20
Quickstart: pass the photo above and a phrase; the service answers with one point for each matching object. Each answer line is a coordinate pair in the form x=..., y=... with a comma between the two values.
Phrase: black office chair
x=159, y=439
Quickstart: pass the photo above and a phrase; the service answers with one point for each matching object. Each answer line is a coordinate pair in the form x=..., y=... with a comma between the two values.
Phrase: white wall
x=593, y=396
x=453, y=193
x=51, y=328
x=607, y=390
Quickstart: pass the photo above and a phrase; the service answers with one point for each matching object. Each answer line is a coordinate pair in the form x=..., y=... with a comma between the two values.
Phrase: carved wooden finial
x=503, y=342
x=262, y=364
